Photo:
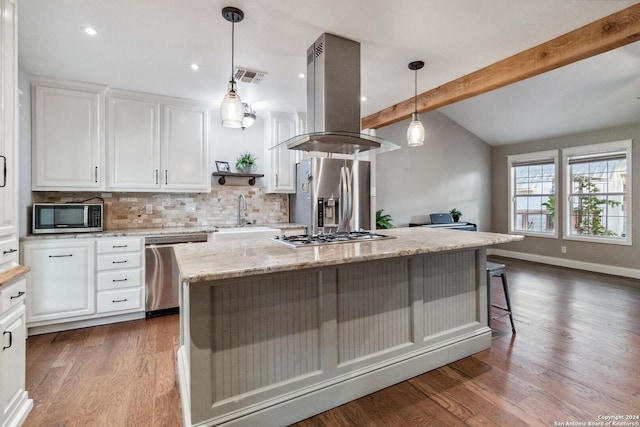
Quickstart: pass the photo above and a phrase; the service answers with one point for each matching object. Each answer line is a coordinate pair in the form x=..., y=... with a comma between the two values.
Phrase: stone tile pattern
x=219, y=207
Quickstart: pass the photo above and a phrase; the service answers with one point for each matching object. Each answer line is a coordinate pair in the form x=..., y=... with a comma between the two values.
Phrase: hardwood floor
x=574, y=359
x=114, y=375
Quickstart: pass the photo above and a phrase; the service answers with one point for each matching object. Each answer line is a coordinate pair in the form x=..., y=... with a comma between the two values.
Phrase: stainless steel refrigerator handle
x=349, y=177
x=343, y=199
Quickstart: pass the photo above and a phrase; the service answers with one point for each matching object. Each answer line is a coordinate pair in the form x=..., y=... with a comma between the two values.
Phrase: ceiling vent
x=248, y=76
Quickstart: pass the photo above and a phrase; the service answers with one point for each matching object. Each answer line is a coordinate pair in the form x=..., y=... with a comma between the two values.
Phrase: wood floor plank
x=574, y=358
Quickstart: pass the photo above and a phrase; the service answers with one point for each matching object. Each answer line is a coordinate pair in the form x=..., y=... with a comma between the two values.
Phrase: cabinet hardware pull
x=17, y=296
x=10, y=340
x=119, y=280
x=157, y=175
x=96, y=174
x=4, y=173
x=166, y=176
x=276, y=180
x=119, y=300
x=60, y=256
x=119, y=246
x=10, y=251
x=118, y=262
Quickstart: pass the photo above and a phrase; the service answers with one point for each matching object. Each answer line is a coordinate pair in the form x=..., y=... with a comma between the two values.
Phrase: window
x=598, y=186
x=532, y=193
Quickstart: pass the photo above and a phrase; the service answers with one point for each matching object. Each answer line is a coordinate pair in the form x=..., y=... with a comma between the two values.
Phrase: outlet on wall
x=190, y=207
x=149, y=208
x=278, y=206
x=563, y=249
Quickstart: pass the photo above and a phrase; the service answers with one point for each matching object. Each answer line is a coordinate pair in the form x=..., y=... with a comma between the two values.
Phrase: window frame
x=597, y=151
x=524, y=158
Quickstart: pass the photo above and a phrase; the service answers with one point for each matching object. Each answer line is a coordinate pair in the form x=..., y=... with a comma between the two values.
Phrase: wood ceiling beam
x=603, y=35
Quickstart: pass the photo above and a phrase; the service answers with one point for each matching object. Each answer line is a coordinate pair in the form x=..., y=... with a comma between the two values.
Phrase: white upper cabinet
x=8, y=124
x=156, y=143
x=133, y=143
x=67, y=135
x=185, y=153
x=280, y=167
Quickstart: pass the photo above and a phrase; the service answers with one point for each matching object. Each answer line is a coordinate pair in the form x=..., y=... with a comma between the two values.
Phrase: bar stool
x=499, y=270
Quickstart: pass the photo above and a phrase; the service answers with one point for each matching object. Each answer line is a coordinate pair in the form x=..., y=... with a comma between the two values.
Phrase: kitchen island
x=272, y=334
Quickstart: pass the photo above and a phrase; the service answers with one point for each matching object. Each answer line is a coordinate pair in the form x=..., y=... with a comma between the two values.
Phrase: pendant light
x=415, y=133
x=249, y=116
x=231, y=109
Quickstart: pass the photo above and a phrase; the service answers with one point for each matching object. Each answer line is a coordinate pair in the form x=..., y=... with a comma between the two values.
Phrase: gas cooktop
x=329, y=238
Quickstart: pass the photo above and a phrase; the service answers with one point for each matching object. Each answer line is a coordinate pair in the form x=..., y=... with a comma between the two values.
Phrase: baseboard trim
x=85, y=323
x=569, y=263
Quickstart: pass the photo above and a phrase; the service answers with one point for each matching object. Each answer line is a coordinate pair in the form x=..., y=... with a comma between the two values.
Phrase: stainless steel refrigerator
x=332, y=195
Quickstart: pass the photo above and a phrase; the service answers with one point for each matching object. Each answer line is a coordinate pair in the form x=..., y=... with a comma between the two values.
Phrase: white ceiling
x=147, y=45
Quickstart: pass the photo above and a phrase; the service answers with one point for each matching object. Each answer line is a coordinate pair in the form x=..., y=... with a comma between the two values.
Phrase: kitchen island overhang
x=271, y=335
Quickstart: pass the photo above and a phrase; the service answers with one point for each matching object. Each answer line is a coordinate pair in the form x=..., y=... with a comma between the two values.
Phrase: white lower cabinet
x=79, y=282
x=14, y=401
x=120, y=275
x=61, y=283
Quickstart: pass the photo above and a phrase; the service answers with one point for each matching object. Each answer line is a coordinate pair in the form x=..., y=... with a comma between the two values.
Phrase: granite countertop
x=14, y=273
x=153, y=231
x=224, y=260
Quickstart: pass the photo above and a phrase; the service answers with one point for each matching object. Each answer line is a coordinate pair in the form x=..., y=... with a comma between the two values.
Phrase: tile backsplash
x=218, y=207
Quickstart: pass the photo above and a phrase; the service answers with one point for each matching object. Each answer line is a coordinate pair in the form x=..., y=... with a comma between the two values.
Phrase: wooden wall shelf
x=252, y=176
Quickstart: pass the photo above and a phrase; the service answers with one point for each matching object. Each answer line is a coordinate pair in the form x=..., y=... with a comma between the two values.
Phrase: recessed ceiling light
x=301, y=76
x=363, y=98
x=194, y=66
x=90, y=31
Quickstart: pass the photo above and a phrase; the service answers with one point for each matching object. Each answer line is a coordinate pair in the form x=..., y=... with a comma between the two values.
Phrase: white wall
x=227, y=144
x=451, y=170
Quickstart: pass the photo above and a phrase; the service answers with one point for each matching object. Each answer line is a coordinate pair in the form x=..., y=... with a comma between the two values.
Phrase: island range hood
x=333, y=99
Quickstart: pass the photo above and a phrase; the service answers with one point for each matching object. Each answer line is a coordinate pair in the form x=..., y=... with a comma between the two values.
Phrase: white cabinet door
x=12, y=362
x=68, y=135
x=61, y=283
x=280, y=168
x=8, y=120
x=133, y=144
x=185, y=149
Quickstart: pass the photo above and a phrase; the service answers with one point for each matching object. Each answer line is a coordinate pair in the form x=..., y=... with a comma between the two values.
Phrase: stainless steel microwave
x=66, y=218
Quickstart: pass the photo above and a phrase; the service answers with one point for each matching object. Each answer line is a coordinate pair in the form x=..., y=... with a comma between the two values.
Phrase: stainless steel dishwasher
x=162, y=277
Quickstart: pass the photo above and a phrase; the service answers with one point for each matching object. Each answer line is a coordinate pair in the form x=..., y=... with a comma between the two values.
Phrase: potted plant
x=383, y=221
x=245, y=162
x=455, y=214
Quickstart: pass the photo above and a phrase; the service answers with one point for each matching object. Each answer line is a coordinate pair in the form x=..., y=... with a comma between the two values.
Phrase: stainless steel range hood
x=333, y=100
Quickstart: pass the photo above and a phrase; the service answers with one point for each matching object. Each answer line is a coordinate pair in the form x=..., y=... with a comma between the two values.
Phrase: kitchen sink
x=244, y=233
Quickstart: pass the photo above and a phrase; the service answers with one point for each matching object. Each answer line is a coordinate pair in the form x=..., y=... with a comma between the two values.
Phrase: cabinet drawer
x=107, y=246
x=120, y=279
x=8, y=250
x=118, y=261
x=118, y=300
x=12, y=295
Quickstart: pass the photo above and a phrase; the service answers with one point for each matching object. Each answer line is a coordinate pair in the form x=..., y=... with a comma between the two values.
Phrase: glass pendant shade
x=231, y=109
x=415, y=133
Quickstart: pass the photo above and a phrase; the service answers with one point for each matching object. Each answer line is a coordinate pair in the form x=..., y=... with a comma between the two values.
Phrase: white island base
x=272, y=349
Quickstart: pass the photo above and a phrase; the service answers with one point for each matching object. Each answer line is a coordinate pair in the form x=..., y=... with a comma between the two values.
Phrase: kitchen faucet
x=242, y=204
